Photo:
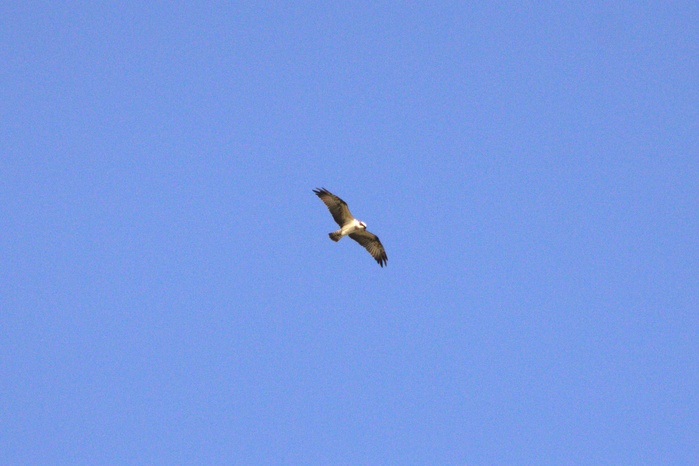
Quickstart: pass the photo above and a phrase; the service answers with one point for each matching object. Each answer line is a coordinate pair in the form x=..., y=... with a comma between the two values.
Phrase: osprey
x=351, y=226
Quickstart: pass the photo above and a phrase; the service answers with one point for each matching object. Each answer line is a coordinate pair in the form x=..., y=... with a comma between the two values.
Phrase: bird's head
x=362, y=225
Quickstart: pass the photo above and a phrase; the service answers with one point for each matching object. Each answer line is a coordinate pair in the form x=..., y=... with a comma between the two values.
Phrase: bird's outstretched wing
x=338, y=208
x=372, y=244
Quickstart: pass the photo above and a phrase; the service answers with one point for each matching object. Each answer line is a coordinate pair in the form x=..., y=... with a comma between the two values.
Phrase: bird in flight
x=349, y=225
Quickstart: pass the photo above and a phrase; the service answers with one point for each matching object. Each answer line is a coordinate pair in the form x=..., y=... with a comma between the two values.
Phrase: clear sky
x=169, y=294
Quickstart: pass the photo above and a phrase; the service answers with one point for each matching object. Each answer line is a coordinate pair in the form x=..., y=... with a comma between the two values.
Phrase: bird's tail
x=335, y=235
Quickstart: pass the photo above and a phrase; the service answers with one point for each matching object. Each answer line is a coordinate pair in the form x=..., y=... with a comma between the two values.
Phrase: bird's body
x=347, y=229
x=350, y=226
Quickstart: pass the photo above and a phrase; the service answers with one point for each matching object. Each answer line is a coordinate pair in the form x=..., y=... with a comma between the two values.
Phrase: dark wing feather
x=338, y=208
x=372, y=244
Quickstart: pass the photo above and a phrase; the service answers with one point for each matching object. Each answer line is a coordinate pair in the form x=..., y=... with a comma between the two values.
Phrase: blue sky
x=169, y=294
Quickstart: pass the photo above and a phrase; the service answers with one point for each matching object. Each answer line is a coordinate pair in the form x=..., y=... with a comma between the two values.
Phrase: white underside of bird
x=347, y=229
